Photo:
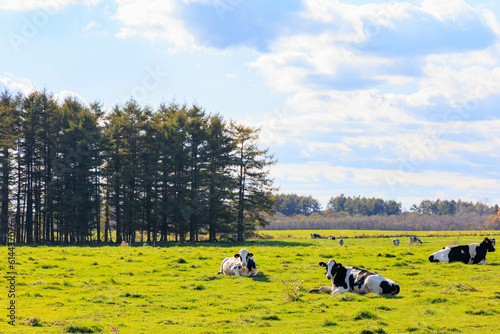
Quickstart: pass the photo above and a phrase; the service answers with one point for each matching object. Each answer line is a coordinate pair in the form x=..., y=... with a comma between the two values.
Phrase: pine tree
x=254, y=185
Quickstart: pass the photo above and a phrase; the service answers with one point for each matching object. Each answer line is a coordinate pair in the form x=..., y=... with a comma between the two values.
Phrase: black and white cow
x=355, y=280
x=315, y=236
x=241, y=264
x=395, y=242
x=468, y=254
x=493, y=242
x=415, y=240
x=341, y=242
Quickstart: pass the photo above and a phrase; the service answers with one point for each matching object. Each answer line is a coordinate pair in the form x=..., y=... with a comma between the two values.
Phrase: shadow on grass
x=168, y=244
x=261, y=277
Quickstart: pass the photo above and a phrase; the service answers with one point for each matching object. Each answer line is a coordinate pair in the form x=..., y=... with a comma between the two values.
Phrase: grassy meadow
x=173, y=288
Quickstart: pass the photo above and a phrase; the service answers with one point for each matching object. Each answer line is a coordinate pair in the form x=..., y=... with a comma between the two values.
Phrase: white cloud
x=26, y=87
x=89, y=26
x=26, y=5
x=315, y=171
x=12, y=83
x=153, y=20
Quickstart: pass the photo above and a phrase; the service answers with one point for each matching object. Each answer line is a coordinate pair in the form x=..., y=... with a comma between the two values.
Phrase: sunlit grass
x=174, y=289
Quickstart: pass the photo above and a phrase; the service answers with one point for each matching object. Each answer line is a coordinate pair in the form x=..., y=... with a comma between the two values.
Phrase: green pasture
x=173, y=288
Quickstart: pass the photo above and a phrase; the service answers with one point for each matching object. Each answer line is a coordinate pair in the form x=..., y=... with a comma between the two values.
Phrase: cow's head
x=331, y=268
x=489, y=245
x=244, y=255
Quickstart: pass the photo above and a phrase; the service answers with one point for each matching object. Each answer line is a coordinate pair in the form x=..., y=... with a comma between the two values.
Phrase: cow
x=331, y=238
x=493, y=241
x=355, y=280
x=469, y=254
x=234, y=236
x=315, y=236
x=395, y=242
x=415, y=240
x=341, y=242
x=241, y=264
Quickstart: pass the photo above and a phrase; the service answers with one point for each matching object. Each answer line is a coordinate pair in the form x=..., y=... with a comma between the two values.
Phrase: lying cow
x=241, y=264
x=395, y=242
x=468, y=254
x=355, y=280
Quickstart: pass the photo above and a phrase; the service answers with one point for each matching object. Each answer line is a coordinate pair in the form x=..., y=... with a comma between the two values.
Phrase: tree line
x=73, y=173
x=293, y=204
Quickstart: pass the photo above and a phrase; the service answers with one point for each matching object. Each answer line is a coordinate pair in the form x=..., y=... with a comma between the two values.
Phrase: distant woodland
x=72, y=173
x=304, y=212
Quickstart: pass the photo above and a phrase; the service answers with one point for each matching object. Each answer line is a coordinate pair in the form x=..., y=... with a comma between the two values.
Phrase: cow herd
x=359, y=280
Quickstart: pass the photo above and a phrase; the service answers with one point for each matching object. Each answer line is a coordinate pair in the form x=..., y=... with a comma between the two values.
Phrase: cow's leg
x=339, y=290
x=322, y=289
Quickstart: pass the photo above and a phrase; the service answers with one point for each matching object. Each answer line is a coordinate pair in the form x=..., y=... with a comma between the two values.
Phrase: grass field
x=173, y=288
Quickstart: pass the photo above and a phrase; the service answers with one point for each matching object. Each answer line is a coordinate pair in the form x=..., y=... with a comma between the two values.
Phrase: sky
x=389, y=99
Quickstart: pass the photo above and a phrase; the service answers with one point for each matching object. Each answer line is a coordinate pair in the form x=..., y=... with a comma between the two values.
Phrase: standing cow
x=241, y=264
x=468, y=254
x=341, y=242
x=395, y=242
x=415, y=240
x=355, y=280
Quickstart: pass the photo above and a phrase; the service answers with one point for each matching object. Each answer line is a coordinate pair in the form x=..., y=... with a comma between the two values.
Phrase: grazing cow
x=331, y=238
x=395, y=242
x=415, y=240
x=355, y=280
x=468, y=254
x=315, y=236
x=341, y=242
x=241, y=264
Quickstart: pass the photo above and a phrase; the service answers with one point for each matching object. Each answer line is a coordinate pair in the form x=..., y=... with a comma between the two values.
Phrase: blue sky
x=391, y=99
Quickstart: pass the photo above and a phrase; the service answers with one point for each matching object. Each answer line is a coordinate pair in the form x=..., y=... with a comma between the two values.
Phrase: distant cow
x=234, y=236
x=493, y=241
x=241, y=264
x=395, y=242
x=341, y=242
x=315, y=236
x=355, y=280
x=468, y=254
x=331, y=238
x=415, y=240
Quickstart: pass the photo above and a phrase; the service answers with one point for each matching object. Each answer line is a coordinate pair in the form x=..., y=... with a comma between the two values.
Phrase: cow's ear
x=250, y=254
x=322, y=264
x=338, y=265
x=236, y=255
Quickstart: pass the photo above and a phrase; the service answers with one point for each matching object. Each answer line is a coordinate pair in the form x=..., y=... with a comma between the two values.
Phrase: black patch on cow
x=351, y=281
x=459, y=254
x=361, y=278
x=431, y=258
x=339, y=273
x=484, y=247
x=389, y=289
x=251, y=264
